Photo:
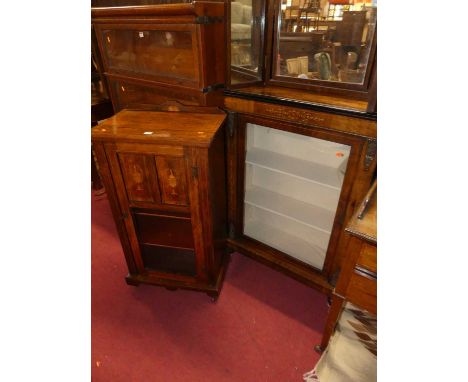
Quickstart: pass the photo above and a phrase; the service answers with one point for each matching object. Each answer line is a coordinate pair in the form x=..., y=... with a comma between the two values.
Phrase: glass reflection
x=246, y=40
x=328, y=40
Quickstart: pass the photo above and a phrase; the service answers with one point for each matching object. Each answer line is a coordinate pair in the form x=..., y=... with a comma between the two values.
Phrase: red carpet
x=263, y=327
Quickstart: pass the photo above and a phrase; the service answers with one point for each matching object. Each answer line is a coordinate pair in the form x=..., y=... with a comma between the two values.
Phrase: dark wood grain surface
x=180, y=48
x=161, y=127
x=168, y=196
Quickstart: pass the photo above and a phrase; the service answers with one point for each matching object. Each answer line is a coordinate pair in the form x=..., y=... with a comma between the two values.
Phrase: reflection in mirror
x=328, y=40
x=246, y=40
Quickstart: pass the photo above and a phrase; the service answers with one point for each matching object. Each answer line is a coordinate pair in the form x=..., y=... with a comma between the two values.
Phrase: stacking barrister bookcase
x=151, y=54
x=164, y=174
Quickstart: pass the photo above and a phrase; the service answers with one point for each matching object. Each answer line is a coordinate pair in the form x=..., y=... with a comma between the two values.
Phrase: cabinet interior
x=292, y=187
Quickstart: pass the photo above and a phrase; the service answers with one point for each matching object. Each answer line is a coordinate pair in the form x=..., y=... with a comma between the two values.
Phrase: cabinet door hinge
x=231, y=122
x=371, y=152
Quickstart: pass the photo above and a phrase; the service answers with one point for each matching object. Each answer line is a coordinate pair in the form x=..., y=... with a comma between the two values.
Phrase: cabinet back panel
x=168, y=260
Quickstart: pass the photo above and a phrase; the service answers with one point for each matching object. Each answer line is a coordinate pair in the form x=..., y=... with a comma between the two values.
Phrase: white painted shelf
x=306, y=213
x=314, y=172
x=286, y=242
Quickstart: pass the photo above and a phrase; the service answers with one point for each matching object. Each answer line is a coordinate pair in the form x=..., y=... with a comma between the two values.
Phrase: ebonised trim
x=301, y=104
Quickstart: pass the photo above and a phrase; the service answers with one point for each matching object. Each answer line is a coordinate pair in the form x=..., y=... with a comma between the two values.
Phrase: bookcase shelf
x=309, y=214
x=292, y=187
x=302, y=249
x=308, y=170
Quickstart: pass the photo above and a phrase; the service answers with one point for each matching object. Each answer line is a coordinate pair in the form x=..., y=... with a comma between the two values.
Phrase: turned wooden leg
x=332, y=319
x=95, y=178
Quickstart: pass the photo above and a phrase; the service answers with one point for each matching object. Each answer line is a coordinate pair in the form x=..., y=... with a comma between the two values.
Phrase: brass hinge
x=371, y=152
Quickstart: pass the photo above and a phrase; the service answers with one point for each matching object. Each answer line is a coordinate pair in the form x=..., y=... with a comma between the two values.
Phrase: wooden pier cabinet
x=295, y=176
x=167, y=189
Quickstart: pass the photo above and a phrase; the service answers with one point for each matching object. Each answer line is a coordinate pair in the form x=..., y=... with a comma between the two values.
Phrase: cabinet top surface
x=180, y=128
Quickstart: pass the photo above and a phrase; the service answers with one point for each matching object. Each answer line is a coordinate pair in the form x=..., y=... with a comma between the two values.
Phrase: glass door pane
x=326, y=40
x=147, y=52
x=247, y=24
x=292, y=187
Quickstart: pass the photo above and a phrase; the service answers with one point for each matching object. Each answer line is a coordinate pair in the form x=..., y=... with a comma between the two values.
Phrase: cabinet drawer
x=362, y=291
x=170, y=231
x=163, y=53
x=368, y=257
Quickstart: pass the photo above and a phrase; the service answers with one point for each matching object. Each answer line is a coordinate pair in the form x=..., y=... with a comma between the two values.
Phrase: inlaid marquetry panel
x=172, y=180
x=139, y=175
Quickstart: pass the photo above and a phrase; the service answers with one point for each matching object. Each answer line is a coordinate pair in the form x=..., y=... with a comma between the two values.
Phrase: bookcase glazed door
x=324, y=43
x=167, y=54
x=246, y=40
x=293, y=189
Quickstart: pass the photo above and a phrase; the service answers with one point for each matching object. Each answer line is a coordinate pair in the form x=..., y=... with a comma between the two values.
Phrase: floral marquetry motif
x=172, y=180
x=138, y=174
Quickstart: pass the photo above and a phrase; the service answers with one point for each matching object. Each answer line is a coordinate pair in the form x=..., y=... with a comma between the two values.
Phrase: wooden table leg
x=332, y=319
